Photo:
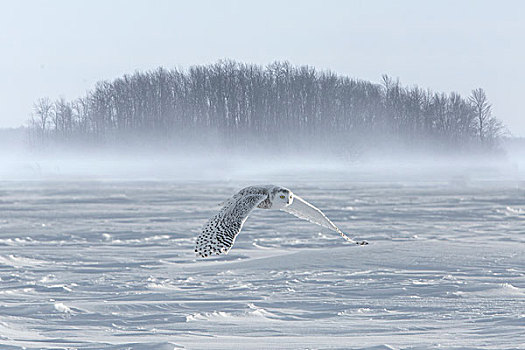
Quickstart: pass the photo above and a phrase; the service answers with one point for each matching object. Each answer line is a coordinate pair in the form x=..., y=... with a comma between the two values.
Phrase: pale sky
x=62, y=48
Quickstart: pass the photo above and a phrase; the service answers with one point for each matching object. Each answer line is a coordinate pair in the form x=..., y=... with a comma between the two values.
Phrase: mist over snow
x=21, y=161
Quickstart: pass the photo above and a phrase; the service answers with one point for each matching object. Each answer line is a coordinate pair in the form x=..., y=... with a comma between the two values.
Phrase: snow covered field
x=110, y=265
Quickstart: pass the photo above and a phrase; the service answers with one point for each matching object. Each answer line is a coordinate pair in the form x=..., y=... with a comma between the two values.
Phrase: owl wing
x=218, y=235
x=304, y=210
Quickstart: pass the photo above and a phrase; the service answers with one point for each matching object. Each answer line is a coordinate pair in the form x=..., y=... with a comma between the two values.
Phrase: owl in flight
x=218, y=235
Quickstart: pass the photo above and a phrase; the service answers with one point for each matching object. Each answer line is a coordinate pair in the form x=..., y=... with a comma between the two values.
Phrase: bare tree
x=482, y=111
x=42, y=113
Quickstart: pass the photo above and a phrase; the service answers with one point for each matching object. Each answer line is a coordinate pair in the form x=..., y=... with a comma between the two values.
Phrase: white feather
x=304, y=210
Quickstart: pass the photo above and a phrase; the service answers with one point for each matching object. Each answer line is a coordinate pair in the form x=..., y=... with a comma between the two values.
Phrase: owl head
x=282, y=197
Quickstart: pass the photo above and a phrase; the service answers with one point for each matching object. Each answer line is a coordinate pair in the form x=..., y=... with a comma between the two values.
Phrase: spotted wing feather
x=218, y=235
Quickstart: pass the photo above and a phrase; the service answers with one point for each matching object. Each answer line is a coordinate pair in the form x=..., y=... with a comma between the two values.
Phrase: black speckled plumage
x=218, y=235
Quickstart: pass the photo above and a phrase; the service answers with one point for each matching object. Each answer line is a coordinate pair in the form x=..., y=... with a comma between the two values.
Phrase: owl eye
x=281, y=196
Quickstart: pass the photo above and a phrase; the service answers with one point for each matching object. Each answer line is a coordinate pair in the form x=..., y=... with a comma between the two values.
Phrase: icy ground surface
x=110, y=265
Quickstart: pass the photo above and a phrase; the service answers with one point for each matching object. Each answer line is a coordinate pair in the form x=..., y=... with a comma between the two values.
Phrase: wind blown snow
x=110, y=265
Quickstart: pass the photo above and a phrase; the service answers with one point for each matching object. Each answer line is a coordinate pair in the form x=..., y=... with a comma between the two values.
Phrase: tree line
x=235, y=104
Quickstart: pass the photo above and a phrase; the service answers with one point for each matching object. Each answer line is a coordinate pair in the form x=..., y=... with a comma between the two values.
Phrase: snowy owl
x=218, y=235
